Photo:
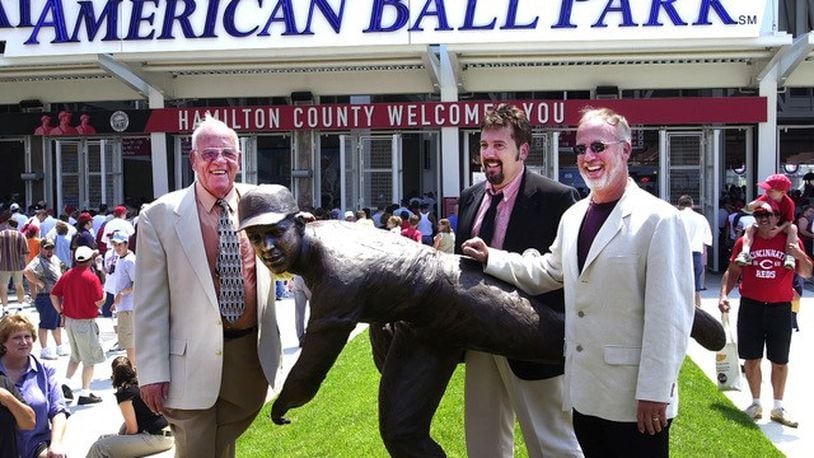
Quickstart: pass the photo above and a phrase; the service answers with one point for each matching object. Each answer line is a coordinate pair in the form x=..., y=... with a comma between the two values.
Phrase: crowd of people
x=207, y=345
x=63, y=273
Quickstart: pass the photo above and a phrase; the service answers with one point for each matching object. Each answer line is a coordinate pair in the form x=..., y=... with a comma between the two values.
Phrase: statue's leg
x=414, y=379
x=381, y=337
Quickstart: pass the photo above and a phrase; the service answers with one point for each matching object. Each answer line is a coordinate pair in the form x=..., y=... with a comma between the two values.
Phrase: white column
x=450, y=148
x=158, y=151
x=767, y=151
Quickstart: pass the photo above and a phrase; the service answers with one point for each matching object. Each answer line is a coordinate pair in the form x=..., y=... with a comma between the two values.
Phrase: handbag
x=727, y=363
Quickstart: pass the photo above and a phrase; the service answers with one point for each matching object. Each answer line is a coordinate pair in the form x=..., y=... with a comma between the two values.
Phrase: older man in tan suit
x=205, y=360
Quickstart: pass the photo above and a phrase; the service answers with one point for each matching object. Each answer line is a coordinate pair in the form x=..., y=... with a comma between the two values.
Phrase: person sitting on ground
x=143, y=432
x=776, y=187
x=39, y=387
x=445, y=239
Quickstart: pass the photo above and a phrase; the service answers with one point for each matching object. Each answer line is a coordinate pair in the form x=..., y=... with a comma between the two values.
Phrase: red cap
x=121, y=210
x=84, y=217
x=766, y=206
x=776, y=181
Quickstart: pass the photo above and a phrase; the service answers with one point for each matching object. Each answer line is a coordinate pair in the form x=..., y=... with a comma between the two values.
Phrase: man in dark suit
x=516, y=210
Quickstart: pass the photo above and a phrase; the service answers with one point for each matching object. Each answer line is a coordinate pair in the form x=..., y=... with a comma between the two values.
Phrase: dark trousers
x=608, y=439
x=106, y=312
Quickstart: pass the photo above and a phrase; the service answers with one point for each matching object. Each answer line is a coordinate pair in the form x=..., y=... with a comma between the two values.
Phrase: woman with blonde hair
x=445, y=239
x=39, y=386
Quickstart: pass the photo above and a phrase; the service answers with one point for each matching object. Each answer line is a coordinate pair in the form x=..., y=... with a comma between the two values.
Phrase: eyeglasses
x=210, y=155
x=596, y=147
x=763, y=214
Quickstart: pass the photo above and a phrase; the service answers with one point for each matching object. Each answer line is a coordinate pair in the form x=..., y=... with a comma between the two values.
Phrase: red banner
x=423, y=115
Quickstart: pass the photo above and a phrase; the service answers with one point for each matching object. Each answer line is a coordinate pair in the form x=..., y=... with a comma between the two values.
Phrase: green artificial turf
x=342, y=420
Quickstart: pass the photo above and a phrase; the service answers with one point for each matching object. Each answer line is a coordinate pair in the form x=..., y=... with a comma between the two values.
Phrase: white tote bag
x=727, y=363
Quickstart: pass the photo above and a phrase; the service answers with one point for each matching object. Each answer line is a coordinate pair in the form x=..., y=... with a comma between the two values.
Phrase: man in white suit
x=207, y=374
x=623, y=259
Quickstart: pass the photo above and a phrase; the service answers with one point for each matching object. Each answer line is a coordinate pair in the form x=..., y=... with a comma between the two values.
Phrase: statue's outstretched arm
x=322, y=344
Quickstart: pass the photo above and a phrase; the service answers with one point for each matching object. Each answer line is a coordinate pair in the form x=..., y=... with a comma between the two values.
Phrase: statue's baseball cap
x=264, y=205
x=776, y=181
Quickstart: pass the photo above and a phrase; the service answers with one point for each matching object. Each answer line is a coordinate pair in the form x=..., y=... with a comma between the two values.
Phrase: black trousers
x=609, y=439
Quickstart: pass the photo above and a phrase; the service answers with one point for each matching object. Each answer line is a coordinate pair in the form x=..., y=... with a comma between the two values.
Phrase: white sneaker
x=754, y=411
x=780, y=416
x=743, y=259
x=62, y=350
x=48, y=353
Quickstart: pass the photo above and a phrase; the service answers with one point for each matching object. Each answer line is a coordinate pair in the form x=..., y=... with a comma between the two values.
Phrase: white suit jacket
x=178, y=328
x=628, y=314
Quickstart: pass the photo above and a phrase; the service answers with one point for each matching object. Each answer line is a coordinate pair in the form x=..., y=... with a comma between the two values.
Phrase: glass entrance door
x=685, y=163
x=370, y=170
x=88, y=172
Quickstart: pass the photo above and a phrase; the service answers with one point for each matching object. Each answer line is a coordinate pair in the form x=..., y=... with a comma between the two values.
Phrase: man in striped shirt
x=13, y=250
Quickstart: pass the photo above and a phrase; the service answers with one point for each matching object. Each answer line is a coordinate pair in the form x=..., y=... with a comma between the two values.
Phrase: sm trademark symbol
x=747, y=20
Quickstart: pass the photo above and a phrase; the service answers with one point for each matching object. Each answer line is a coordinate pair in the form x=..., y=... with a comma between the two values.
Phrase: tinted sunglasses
x=211, y=154
x=596, y=147
x=763, y=214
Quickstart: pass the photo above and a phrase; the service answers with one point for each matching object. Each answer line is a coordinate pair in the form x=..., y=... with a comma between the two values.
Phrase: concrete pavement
x=798, y=399
x=88, y=422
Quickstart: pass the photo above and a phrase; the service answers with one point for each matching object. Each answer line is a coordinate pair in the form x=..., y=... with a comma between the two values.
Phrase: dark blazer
x=533, y=223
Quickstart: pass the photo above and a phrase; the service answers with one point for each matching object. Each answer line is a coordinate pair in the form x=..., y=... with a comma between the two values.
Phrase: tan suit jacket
x=178, y=327
x=628, y=314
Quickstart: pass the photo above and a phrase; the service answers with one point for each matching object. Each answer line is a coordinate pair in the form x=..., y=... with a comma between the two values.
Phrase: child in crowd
x=143, y=432
x=412, y=232
x=777, y=187
x=394, y=224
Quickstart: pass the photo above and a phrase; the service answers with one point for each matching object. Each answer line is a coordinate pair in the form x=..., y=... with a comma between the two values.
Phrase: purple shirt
x=42, y=392
x=595, y=217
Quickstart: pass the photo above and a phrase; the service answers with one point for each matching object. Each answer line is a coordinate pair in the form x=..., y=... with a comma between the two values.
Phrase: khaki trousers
x=212, y=432
x=493, y=395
